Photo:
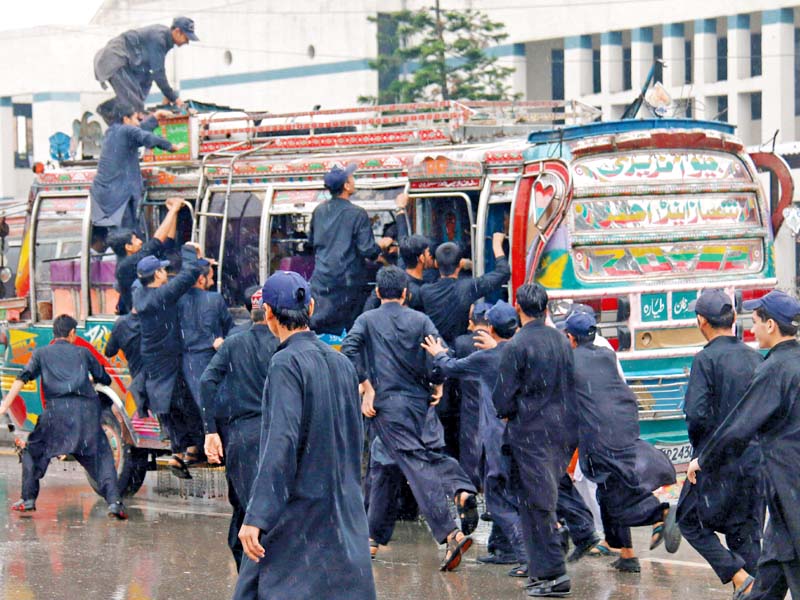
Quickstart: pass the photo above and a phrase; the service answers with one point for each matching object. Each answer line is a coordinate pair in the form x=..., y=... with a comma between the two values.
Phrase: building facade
x=734, y=60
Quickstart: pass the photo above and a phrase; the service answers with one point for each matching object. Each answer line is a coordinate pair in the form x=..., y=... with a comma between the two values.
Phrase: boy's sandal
x=455, y=550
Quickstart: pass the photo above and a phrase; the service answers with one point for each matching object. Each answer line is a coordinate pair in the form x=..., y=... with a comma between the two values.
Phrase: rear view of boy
x=70, y=423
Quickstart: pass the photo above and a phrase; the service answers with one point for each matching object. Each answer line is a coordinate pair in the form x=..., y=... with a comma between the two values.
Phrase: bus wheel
x=131, y=463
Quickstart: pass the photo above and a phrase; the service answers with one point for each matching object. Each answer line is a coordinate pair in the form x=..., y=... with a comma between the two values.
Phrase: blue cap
x=204, y=264
x=479, y=310
x=149, y=265
x=502, y=315
x=337, y=176
x=186, y=25
x=580, y=324
x=780, y=306
x=712, y=304
x=286, y=290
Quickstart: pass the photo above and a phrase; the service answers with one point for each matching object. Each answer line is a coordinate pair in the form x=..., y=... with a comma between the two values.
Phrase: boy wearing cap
x=728, y=499
x=205, y=321
x=156, y=303
x=769, y=410
x=534, y=391
x=233, y=417
x=305, y=524
x=482, y=367
x=385, y=346
x=70, y=423
x=608, y=418
x=342, y=238
x=133, y=60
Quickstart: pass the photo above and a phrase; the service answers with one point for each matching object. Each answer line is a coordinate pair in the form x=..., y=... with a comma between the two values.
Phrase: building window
x=722, y=59
x=23, y=135
x=688, y=59
x=557, y=73
x=755, y=53
x=658, y=54
x=755, y=106
x=722, y=109
x=596, y=71
x=626, y=69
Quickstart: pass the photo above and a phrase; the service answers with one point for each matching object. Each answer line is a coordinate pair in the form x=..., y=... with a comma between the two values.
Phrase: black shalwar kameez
x=70, y=422
x=770, y=411
x=730, y=499
x=534, y=391
x=306, y=498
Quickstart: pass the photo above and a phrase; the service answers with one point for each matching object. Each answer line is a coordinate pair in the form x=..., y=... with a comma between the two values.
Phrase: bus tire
x=131, y=463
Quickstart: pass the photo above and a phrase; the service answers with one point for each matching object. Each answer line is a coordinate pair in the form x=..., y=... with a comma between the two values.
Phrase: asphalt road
x=174, y=548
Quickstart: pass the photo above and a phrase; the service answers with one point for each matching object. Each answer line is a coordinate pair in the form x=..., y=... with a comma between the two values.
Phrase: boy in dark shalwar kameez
x=305, y=523
x=70, y=423
x=770, y=412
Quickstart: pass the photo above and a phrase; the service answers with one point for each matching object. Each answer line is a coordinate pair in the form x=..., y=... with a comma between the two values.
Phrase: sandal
x=627, y=565
x=603, y=550
x=657, y=536
x=24, y=506
x=179, y=467
x=560, y=587
x=468, y=513
x=743, y=591
x=373, y=548
x=194, y=458
x=519, y=571
x=672, y=533
x=455, y=550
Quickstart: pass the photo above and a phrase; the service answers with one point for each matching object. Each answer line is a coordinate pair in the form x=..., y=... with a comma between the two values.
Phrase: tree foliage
x=422, y=58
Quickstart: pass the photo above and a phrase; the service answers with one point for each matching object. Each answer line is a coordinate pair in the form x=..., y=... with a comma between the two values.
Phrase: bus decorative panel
x=656, y=213
x=659, y=167
x=595, y=263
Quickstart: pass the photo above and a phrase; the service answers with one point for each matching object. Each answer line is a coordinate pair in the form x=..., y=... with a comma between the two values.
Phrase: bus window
x=57, y=273
x=103, y=297
x=289, y=246
x=446, y=219
x=497, y=219
x=239, y=268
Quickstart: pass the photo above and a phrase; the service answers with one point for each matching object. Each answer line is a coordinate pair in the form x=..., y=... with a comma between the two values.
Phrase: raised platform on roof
x=574, y=132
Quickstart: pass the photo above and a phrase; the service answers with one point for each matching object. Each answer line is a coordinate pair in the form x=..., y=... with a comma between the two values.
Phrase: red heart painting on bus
x=543, y=194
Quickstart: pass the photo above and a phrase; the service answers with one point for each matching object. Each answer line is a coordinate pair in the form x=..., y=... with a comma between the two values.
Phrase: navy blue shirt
x=65, y=370
x=241, y=364
x=384, y=344
x=126, y=335
x=204, y=317
x=119, y=176
x=447, y=300
x=341, y=234
x=143, y=53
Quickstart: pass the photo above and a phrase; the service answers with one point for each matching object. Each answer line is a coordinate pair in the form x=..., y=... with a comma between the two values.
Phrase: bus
x=632, y=218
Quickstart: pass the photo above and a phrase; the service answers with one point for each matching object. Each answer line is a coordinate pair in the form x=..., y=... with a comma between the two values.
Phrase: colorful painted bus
x=632, y=218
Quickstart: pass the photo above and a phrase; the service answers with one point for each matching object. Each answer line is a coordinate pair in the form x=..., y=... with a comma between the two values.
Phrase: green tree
x=431, y=54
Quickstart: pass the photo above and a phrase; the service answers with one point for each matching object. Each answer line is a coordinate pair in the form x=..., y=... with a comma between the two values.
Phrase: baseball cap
x=286, y=290
x=149, y=265
x=712, y=303
x=502, y=315
x=479, y=310
x=186, y=25
x=580, y=324
x=337, y=176
x=780, y=306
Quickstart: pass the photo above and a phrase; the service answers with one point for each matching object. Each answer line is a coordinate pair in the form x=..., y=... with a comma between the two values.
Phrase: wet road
x=175, y=549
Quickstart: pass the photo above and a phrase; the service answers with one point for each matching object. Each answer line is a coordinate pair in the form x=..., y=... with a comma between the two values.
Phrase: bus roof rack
x=393, y=125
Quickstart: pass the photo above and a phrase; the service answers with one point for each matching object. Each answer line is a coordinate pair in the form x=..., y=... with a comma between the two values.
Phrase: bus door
x=289, y=219
x=230, y=232
x=538, y=208
x=444, y=198
x=494, y=214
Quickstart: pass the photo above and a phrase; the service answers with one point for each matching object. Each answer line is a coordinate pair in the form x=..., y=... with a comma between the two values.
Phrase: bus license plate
x=678, y=454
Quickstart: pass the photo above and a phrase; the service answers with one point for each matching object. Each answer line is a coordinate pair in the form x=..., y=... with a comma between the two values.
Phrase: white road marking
x=179, y=510
x=679, y=563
